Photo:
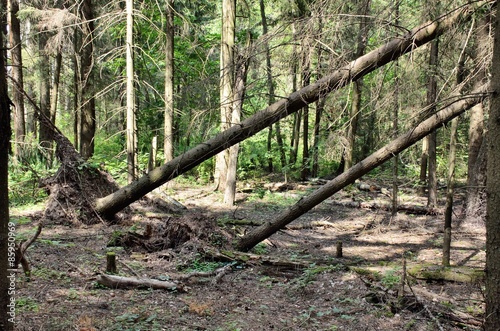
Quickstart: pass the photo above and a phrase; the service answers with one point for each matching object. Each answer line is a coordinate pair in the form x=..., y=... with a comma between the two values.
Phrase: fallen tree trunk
x=129, y=282
x=409, y=209
x=111, y=204
x=371, y=162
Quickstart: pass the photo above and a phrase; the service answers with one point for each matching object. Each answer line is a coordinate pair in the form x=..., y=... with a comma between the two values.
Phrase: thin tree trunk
x=239, y=97
x=432, y=140
x=492, y=281
x=17, y=75
x=371, y=162
x=226, y=85
x=418, y=36
x=76, y=91
x=55, y=86
x=7, y=279
x=395, y=124
x=130, y=96
x=449, y=194
x=169, y=83
x=306, y=80
x=320, y=107
x=87, y=118
x=363, y=11
x=44, y=136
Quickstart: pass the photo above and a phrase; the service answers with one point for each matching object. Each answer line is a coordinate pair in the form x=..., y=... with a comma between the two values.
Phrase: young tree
x=363, y=12
x=130, y=96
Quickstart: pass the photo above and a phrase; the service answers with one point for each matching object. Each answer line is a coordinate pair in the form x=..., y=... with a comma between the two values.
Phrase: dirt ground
x=356, y=292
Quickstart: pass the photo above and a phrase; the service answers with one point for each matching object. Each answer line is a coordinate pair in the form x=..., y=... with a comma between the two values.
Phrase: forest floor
x=322, y=292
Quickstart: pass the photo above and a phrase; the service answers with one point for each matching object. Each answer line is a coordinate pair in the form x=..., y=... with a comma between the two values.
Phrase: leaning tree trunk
x=371, y=162
x=418, y=36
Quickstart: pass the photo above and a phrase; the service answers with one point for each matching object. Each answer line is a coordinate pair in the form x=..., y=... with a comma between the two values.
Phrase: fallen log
x=132, y=282
x=409, y=209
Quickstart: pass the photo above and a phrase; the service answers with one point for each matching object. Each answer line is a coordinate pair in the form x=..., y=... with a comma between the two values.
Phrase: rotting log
x=409, y=209
x=112, y=281
x=113, y=203
x=399, y=144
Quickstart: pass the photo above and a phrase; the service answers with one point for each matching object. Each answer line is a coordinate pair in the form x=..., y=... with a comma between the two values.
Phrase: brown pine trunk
x=7, y=279
x=88, y=119
x=492, y=281
x=226, y=85
x=239, y=97
x=17, y=75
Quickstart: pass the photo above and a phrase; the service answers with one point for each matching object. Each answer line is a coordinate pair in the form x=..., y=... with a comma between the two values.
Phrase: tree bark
x=6, y=279
x=168, y=145
x=239, y=97
x=355, y=114
x=418, y=36
x=132, y=166
x=17, y=75
x=432, y=138
x=492, y=294
x=88, y=118
x=44, y=137
x=226, y=85
x=371, y=162
x=270, y=87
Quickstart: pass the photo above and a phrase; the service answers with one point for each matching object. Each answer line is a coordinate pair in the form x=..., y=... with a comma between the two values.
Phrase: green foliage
x=390, y=279
x=27, y=304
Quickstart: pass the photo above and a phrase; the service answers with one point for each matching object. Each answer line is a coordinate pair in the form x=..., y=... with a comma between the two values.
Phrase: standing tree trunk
x=239, y=97
x=17, y=75
x=6, y=312
x=226, y=85
x=492, y=282
x=306, y=80
x=432, y=139
x=168, y=144
x=87, y=118
x=270, y=87
x=363, y=10
x=130, y=96
x=448, y=215
x=338, y=79
x=395, y=124
x=44, y=137
x=55, y=86
x=449, y=194
x=371, y=162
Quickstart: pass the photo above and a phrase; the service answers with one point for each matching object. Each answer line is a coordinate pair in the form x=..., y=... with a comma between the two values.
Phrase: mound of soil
x=188, y=232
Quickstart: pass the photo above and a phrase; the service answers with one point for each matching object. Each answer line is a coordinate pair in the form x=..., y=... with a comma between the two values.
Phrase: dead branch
x=129, y=282
x=21, y=248
x=409, y=209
